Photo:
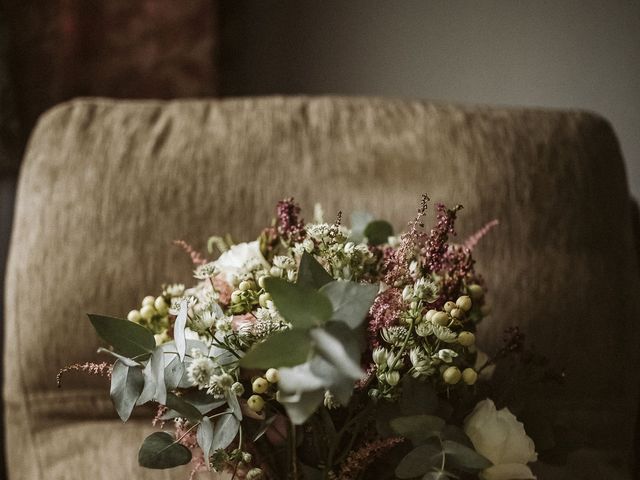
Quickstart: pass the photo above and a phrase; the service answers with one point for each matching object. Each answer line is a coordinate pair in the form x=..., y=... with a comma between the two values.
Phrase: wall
x=565, y=54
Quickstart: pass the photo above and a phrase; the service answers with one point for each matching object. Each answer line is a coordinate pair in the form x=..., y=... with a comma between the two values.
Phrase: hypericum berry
x=429, y=315
x=134, y=316
x=275, y=271
x=161, y=305
x=457, y=313
x=236, y=296
x=261, y=281
x=440, y=318
x=147, y=312
x=148, y=300
x=469, y=376
x=272, y=375
x=260, y=385
x=464, y=303
x=449, y=306
x=466, y=339
x=263, y=299
x=475, y=291
x=246, y=285
x=255, y=403
x=452, y=375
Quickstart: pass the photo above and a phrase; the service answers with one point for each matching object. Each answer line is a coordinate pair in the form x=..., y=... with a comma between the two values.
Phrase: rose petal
x=508, y=471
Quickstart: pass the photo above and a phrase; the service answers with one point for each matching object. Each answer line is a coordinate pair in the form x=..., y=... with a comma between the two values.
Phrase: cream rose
x=239, y=259
x=500, y=437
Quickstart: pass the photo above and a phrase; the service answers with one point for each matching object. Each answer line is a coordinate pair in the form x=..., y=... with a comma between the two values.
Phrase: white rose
x=239, y=259
x=500, y=437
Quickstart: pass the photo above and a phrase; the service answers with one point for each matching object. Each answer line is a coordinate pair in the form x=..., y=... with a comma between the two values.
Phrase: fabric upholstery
x=107, y=185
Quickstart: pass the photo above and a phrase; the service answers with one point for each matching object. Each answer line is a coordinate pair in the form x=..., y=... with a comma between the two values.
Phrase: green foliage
x=205, y=436
x=126, y=338
x=417, y=428
x=160, y=450
x=311, y=273
x=419, y=461
x=378, y=231
x=184, y=408
x=225, y=431
x=359, y=221
x=154, y=386
x=126, y=386
x=302, y=306
x=282, y=349
x=464, y=458
x=351, y=301
x=178, y=330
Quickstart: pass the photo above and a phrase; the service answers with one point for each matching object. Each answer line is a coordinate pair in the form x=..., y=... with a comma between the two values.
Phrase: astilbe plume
x=384, y=313
x=196, y=257
x=458, y=263
x=360, y=459
x=289, y=225
x=102, y=369
x=435, y=248
x=475, y=238
x=396, y=261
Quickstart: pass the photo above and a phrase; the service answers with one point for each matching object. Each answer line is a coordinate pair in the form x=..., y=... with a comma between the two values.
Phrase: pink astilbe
x=474, y=239
x=196, y=256
x=396, y=261
x=224, y=290
x=435, y=248
x=157, y=420
x=360, y=459
x=384, y=313
x=289, y=225
x=102, y=369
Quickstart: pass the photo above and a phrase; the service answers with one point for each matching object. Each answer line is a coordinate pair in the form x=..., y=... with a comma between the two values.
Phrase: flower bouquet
x=320, y=352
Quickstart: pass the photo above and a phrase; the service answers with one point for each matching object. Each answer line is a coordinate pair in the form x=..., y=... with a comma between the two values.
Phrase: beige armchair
x=107, y=185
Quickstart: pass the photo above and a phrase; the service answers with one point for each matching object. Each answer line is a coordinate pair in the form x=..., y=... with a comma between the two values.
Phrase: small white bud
x=308, y=245
x=134, y=316
x=254, y=474
x=457, y=313
x=236, y=296
x=429, y=315
x=272, y=375
x=392, y=378
x=275, y=272
x=263, y=299
x=464, y=303
x=261, y=280
x=407, y=293
x=449, y=306
x=161, y=305
x=440, y=318
x=260, y=385
x=147, y=312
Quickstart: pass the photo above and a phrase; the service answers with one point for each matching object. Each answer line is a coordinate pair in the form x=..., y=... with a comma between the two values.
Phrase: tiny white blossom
x=200, y=371
x=446, y=355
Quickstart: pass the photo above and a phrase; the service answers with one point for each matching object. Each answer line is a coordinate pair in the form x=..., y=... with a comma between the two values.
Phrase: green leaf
x=436, y=475
x=378, y=232
x=205, y=436
x=160, y=450
x=351, y=301
x=154, y=387
x=202, y=401
x=225, y=431
x=419, y=461
x=338, y=347
x=126, y=338
x=311, y=273
x=359, y=221
x=464, y=458
x=174, y=372
x=234, y=404
x=184, y=408
x=282, y=349
x=178, y=330
x=304, y=307
x=127, y=361
x=417, y=428
x=126, y=385
x=302, y=405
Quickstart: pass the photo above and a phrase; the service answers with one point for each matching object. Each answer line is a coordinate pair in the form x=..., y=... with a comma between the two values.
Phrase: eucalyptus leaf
x=205, y=436
x=436, y=475
x=311, y=273
x=282, y=349
x=464, y=458
x=127, y=361
x=302, y=306
x=174, y=373
x=339, y=347
x=419, y=461
x=351, y=301
x=359, y=221
x=417, y=428
x=178, y=329
x=202, y=401
x=378, y=232
x=341, y=386
x=154, y=386
x=127, y=338
x=127, y=383
x=184, y=408
x=226, y=429
x=301, y=406
x=234, y=404
x=300, y=378
x=160, y=450
x=266, y=424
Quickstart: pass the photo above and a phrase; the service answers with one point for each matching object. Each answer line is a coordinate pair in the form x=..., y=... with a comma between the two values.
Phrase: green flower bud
x=452, y=375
